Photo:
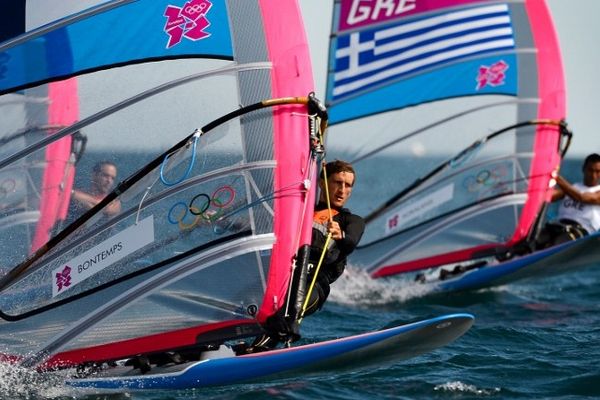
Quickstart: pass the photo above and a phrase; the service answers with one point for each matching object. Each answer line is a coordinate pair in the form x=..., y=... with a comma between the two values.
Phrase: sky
x=578, y=28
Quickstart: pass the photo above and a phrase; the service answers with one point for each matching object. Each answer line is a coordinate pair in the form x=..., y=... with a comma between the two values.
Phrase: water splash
x=355, y=286
x=460, y=387
x=23, y=383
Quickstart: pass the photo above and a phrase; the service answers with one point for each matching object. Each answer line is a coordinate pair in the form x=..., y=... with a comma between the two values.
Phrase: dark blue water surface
x=535, y=339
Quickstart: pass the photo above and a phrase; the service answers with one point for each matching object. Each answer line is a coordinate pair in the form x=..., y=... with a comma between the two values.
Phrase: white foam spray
x=355, y=286
x=24, y=383
x=461, y=387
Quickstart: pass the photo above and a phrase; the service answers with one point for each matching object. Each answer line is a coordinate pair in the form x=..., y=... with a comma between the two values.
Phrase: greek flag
x=374, y=56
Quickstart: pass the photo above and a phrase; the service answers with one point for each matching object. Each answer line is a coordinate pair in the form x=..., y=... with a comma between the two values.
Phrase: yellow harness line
x=314, y=279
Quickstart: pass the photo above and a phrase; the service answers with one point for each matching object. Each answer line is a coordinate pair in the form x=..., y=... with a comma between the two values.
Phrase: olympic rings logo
x=485, y=179
x=196, y=9
x=488, y=182
x=200, y=209
x=7, y=186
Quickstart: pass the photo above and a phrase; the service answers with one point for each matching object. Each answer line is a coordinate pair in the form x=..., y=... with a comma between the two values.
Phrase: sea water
x=535, y=339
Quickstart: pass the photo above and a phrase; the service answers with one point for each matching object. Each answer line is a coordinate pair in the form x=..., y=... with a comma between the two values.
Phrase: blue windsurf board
x=223, y=367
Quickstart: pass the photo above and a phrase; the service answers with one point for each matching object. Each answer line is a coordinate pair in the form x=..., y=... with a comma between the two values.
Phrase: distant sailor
x=104, y=175
x=579, y=211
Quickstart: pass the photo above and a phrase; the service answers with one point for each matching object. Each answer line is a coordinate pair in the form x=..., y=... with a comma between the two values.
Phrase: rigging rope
x=195, y=137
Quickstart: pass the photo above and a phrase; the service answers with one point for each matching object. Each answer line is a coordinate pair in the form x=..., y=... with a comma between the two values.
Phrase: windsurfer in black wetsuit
x=346, y=230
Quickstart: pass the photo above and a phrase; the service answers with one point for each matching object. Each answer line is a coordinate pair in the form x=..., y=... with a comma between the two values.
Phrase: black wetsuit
x=331, y=269
x=334, y=261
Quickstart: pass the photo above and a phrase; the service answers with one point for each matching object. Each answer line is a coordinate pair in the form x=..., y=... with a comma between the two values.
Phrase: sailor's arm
x=557, y=193
x=113, y=208
x=582, y=197
x=86, y=200
x=349, y=237
x=334, y=228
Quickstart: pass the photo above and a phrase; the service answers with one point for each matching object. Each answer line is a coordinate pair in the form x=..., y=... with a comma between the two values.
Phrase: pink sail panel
x=553, y=106
x=57, y=181
x=292, y=76
x=357, y=13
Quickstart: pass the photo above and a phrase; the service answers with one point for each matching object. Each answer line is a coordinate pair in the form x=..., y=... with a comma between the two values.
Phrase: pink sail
x=292, y=74
x=57, y=181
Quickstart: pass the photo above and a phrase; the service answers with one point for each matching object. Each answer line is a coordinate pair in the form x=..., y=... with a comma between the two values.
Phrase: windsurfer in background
x=104, y=175
x=345, y=228
x=579, y=210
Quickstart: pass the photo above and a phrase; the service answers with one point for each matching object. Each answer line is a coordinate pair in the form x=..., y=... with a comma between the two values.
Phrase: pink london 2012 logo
x=188, y=21
x=492, y=75
x=63, y=278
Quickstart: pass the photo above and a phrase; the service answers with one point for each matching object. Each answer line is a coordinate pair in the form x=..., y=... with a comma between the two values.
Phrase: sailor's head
x=340, y=180
x=591, y=170
x=104, y=175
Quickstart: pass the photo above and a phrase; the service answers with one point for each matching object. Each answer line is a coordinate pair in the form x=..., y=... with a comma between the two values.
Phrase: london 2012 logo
x=187, y=22
x=63, y=278
x=491, y=75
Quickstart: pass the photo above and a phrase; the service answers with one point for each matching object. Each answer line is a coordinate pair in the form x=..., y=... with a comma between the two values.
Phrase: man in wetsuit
x=346, y=230
x=579, y=210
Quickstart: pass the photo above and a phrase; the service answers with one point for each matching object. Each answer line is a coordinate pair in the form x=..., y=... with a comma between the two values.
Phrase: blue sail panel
x=489, y=75
x=422, y=58
x=134, y=32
